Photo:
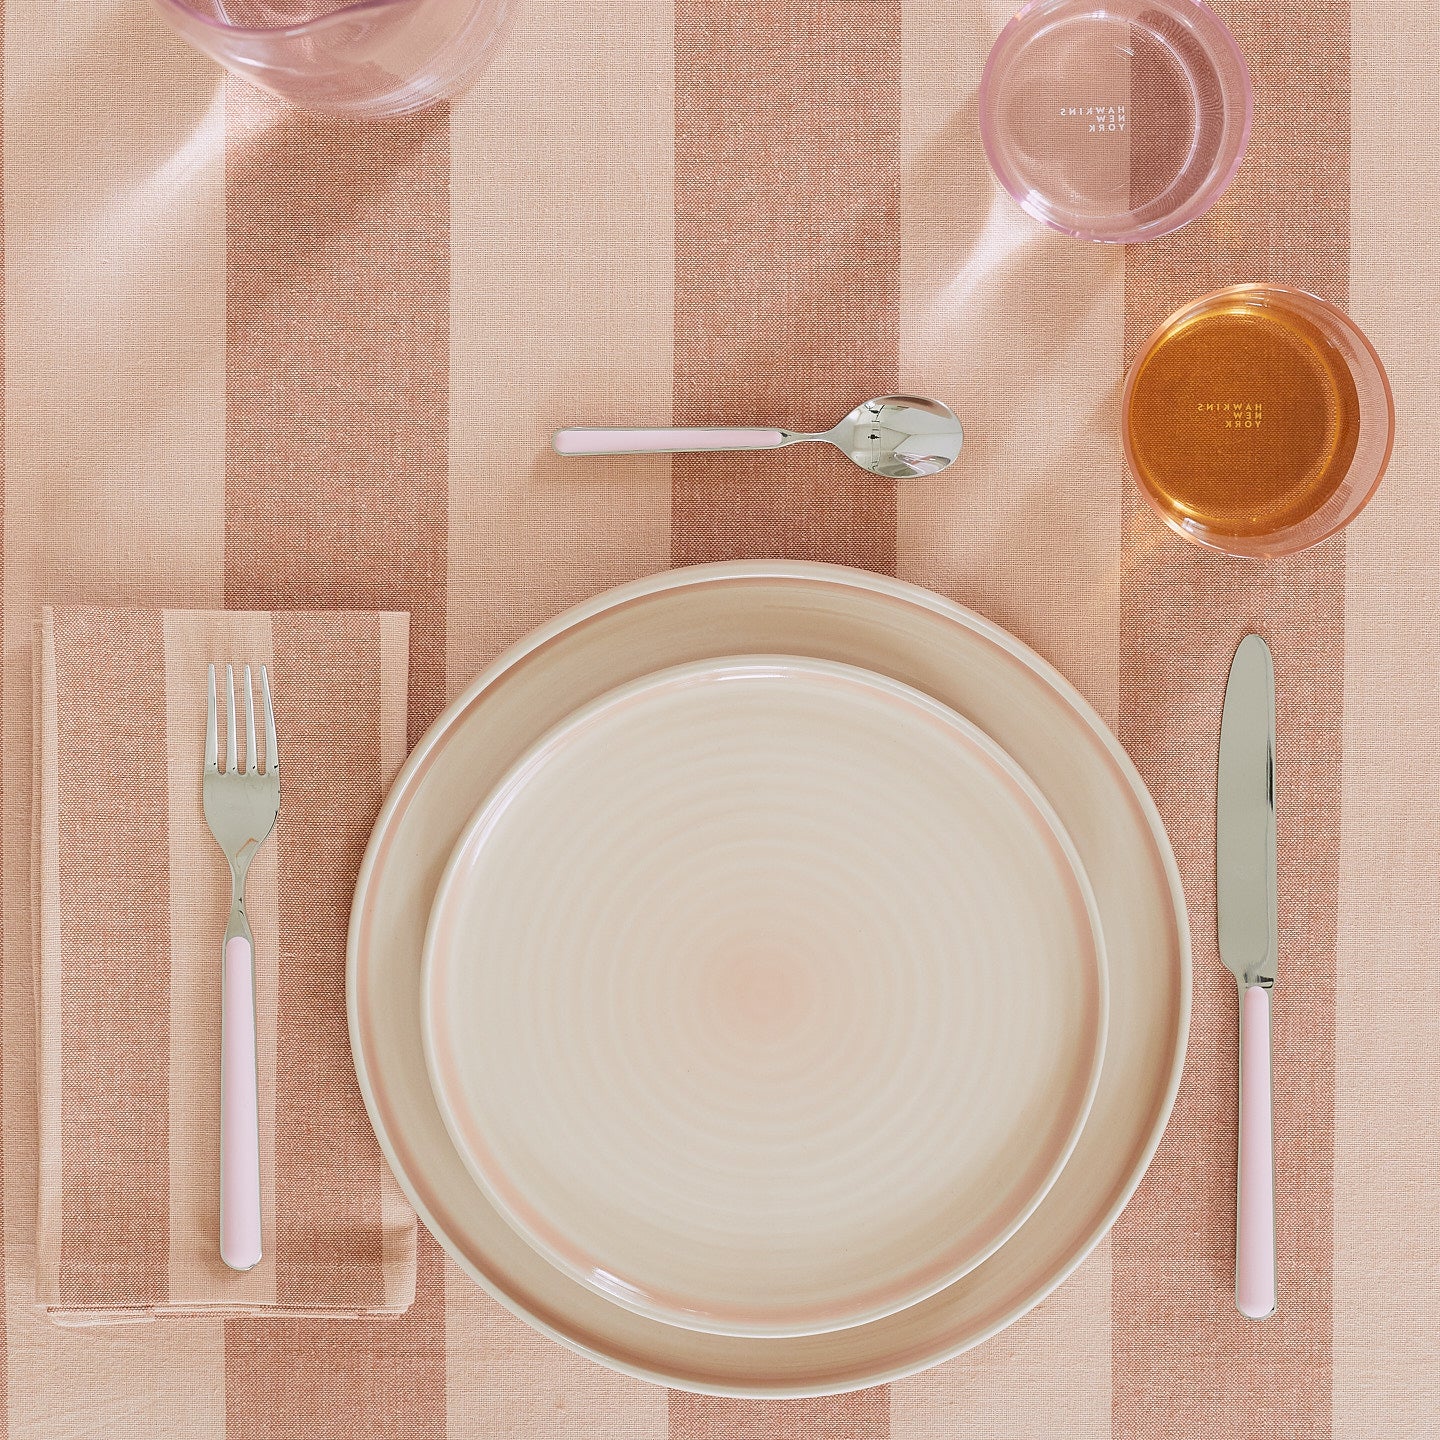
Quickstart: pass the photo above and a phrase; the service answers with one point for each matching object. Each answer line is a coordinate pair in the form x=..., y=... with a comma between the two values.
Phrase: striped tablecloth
x=260, y=360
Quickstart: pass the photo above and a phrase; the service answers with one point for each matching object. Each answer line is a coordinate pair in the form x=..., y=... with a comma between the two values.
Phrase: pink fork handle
x=239, y=1111
x=1255, y=1193
x=630, y=442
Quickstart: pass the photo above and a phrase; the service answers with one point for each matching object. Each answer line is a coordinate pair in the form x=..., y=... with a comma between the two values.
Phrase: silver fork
x=240, y=808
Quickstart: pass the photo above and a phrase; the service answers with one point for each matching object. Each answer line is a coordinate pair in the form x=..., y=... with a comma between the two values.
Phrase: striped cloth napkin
x=132, y=895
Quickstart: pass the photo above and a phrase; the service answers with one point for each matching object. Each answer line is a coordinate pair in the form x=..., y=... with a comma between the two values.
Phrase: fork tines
x=212, y=737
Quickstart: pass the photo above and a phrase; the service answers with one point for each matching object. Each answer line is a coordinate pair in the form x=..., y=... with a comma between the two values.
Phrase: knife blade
x=1248, y=932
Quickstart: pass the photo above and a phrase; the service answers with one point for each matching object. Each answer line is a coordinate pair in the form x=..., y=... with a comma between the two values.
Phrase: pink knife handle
x=627, y=442
x=1255, y=1193
x=239, y=1111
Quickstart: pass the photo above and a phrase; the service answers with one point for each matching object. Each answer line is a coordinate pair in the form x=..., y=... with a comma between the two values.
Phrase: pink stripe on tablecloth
x=860, y=1415
x=1387, y=1128
x=6, y=957
x=787, y=262
x=337, y=433
x=338, y=386
x=113, y=314
x=561, y=314
x=1184, y=1362
x=787, y=312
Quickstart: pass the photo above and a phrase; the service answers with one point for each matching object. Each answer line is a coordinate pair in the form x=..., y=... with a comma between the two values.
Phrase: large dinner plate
x=765, y=996
x=830, y=613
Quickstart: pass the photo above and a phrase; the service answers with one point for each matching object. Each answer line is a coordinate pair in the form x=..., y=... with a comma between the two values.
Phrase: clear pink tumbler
x=1115, y=120
x=377, y=57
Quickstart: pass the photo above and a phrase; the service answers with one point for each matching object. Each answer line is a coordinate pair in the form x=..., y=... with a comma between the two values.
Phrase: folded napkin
x=132, y=894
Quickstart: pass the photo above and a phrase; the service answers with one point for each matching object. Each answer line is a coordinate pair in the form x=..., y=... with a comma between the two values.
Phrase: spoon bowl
x=900, y=437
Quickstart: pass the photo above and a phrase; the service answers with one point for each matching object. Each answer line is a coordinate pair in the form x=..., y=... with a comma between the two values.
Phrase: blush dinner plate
x=824, y=612
x=765, y=996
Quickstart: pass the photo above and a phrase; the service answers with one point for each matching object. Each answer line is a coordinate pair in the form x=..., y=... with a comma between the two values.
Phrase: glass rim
x=298, y=27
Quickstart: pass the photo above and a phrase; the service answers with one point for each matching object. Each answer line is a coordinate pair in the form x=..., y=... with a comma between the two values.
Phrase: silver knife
x=1249, y=940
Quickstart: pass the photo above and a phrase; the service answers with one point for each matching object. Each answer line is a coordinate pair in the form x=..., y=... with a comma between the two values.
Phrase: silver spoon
x=898, y=436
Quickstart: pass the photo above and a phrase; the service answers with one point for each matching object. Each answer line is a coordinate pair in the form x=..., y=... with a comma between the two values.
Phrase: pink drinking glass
x=1115, y=120
x=377, y=57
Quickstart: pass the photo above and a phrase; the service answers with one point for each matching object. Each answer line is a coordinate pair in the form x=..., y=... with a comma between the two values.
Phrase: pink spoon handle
x=1255, y=1193
x=239, y=1111
x=629, y=442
